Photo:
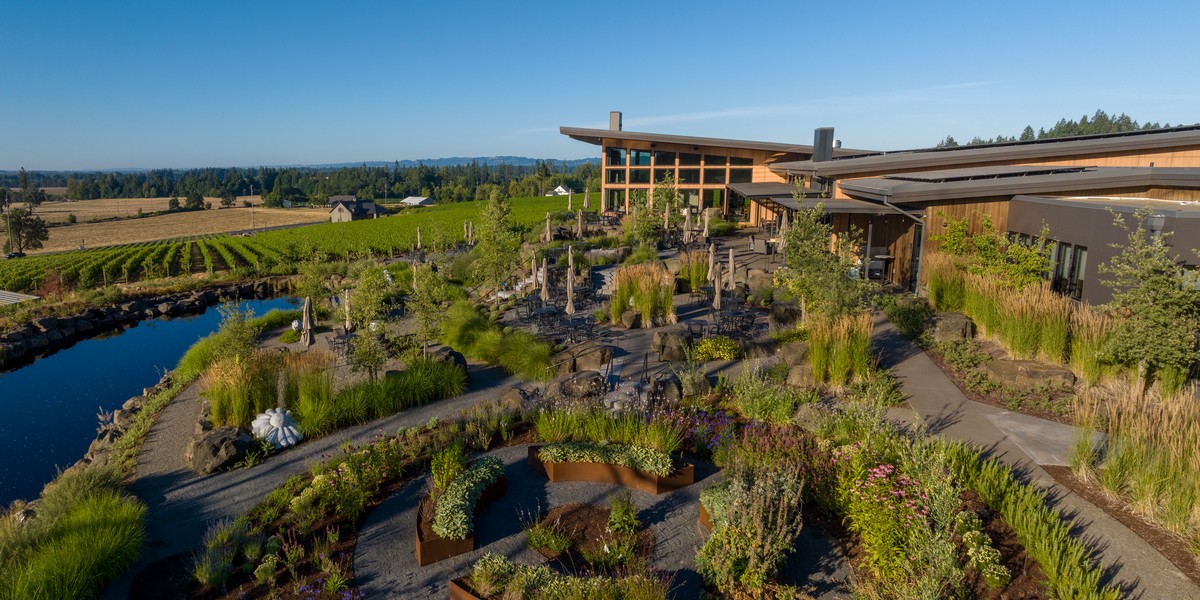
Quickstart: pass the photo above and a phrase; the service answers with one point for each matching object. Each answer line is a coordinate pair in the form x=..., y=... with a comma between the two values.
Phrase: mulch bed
x=997, y=398
x=1028, y=580
x=587, y=527
x=1168, y=544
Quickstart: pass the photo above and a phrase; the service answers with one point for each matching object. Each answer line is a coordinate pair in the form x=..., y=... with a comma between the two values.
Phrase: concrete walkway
x=182, y=505
x=1024, y=443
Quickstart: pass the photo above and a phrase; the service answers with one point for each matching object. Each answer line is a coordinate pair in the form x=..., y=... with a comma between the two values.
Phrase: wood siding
x=895, y=235
x=938, y=215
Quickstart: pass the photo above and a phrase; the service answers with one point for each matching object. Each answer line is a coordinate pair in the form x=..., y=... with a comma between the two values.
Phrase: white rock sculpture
x=277, y=427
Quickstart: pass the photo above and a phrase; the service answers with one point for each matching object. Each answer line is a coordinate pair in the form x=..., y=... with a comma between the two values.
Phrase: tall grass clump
x=648, y=289
x=1151, y=459
x=947, y=291
x=519, y=352
x=1090, y=330
x=839, y=349
x=423, y=382
x=86, y=532
x=308, y=390
x=602, y=427
x=694, y=269
x=239, y=388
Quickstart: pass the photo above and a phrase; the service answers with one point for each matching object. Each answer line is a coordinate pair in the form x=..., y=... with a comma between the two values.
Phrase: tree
x=425, y=302
x=821, y=268
x=194, y=201
x=642, y=225
x=369, y=297
x=990, y=252
x=25, y=230
x=1156, y=304
x=173, y=203
x=367, y=354
x=499, y=245
x=227, y=199
x=666, y=197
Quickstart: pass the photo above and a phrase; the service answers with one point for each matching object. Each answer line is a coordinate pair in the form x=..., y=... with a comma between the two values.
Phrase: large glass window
x=710, y=160
x=714, y=176
x=616, y=175
x=664, y=158
x=741, y=175
x=640, y=158
x=1078, y=266
x=690, y=176
x=737, y=208
x=689, y=159
x=639, y=176
x=1062, y=268
x=691, y=197
x=714, y=199
x=616, y=157
x=737, y=160
x=661, y=175
x=616, y=200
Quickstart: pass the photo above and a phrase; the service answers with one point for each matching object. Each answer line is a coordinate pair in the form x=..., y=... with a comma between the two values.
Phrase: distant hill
x=491, y=161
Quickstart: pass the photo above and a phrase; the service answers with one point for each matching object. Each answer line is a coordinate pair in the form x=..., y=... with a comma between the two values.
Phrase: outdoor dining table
x=573, y=326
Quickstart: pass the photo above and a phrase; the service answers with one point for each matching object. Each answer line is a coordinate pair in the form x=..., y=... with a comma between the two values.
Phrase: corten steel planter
x=705, y=518
x=459, y=590
x=606, y=473
x=435, y=548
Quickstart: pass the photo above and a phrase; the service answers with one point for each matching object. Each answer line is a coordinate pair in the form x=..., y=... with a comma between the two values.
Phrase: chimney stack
x=614, y=120
x=822, y=144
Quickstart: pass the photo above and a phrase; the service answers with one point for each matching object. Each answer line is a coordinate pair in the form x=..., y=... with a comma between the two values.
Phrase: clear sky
x=92, y=84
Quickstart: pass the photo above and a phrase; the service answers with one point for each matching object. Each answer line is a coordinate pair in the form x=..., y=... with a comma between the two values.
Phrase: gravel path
x=385, y=559
x=182, y=504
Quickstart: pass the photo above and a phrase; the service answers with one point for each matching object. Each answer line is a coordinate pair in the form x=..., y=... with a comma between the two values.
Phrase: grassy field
x=109, y=208
x=181, y=224
x=186, y=243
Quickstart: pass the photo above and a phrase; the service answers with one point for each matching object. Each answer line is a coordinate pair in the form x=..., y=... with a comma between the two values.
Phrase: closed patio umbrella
x=731, y=271
x=717, y=288
x=570, y=308
x=687, y=225
x=570, y=201
x=707, y=214
x=712, y=260
x=418, y=237
x=547, y=236
x=587, y=197
x=346, y=304
x=570, y=266
x=545, y=282
x=306, y=323
x=666, y=218
x=579, y=225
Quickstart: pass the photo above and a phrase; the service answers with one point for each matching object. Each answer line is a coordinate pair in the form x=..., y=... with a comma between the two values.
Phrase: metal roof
x=905, y=191
x=14, y=298
x=597, y=136
x=1048, y=148
x=1183, y=209
x=781, y=195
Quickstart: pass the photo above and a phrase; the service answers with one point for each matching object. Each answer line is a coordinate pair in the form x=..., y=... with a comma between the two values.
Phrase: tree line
x=451, y=183
x=1099, y=123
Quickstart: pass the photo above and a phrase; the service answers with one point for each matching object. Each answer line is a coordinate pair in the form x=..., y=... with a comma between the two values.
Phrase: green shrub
x=622, y=516
x=478, y=338
x=640, y=255
x=907, y=313
x=497, y=576
x=454, y=515
x=446, y=465
x=647, y=460
x=718, y=227
x=86, y=533
x=548, y=538
x=759, y=398
x=716, y=348
x=290, y=336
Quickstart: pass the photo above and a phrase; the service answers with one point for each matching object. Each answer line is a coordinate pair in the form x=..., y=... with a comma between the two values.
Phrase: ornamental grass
x=648, y=289
x=237, y=389
x=693, y=268
x=1151, y=459
x=598, y=426
x=839, y=349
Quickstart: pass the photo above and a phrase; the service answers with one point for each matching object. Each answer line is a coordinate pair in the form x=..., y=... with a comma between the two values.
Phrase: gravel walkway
x=182, y=504
x=385, y=559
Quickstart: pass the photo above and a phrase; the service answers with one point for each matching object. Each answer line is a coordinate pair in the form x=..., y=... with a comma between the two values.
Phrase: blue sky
x=186, y=84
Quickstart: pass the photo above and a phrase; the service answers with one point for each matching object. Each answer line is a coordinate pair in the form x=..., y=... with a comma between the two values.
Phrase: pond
x=48, y=408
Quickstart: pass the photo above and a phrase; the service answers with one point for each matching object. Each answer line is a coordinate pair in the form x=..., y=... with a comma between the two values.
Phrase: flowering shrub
x=703, y=431
x=716, y=348
x=881, y=508
x=647, y=460
x=982, y=555
x=454, y=516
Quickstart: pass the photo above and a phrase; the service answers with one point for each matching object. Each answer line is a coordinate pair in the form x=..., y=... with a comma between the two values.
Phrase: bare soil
x=1168, y=544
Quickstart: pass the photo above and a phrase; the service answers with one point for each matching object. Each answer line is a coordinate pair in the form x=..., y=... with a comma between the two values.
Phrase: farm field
x=185, y=243
x=200, y=222
x=108, y=208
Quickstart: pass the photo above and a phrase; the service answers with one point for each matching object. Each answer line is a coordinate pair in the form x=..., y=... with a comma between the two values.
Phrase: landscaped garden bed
x=445, y=519
x=604, y=472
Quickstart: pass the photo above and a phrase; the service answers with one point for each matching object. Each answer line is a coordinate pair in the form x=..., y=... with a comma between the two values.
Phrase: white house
x=417, y=201
x=559, y=191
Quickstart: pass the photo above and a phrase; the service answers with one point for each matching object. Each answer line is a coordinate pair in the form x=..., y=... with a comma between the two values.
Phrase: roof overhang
x=1182, y=209
x=597, y=137
x=1008, y=152
x=783, y=196
x=903, y=191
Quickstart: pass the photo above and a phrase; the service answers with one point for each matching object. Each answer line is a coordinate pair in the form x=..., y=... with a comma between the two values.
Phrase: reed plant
x=839, y=349
x=239, y=388
x=647, y=288
x=694, y=268
x=597, y=426
x=946, y=288
x=1152, y=457
x=1090, y=330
